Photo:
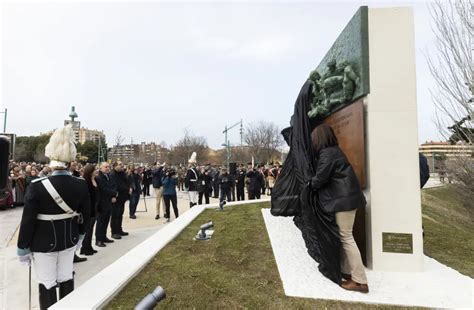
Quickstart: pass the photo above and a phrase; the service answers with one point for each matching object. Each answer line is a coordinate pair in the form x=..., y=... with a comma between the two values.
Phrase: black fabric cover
x=4, y=158
x=292, y=196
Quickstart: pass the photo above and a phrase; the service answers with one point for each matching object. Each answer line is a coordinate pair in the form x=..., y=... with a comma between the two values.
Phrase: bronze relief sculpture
x=333, y=89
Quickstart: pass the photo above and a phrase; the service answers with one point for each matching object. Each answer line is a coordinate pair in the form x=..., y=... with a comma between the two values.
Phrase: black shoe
x=157, y=217
x=87, y=252
x=78, y=259
x=100, y=244
x=133, y=217
x=95, y=251
x=123, y=233
x=107, y=240
x=116, y=236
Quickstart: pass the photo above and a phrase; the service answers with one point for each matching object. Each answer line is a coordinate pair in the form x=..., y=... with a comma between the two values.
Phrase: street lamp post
x=4, y=120
x=227, y=143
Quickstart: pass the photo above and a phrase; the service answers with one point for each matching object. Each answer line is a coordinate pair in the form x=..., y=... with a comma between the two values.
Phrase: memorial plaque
x=348, y=125
x=397, y=243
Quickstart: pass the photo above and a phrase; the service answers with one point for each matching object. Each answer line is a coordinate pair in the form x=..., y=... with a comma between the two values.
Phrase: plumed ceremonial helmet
x=61, y=148
x=192, y=159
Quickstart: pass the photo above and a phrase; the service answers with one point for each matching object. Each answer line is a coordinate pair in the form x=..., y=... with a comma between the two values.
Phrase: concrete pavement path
x=14, y=287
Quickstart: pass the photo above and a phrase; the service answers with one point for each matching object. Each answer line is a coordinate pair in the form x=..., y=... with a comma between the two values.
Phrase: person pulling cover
x=52, y=224
x=339, y=192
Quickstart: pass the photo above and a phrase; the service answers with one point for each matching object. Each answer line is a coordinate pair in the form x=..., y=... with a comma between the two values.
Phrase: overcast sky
x=153, y=69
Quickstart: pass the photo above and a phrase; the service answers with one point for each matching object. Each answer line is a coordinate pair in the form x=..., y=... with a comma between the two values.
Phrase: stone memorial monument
x=365, y=89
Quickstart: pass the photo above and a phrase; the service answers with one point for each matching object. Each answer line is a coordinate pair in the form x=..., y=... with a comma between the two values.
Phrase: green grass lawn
x=448, y=230
x=236, y=268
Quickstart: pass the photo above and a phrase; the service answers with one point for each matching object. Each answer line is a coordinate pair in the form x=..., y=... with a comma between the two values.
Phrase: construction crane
x=226, y=141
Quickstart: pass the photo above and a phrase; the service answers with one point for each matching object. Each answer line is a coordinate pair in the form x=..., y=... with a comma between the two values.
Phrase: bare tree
x=452, y=67
x=264, y=141
x=119, y=138
x=181, y=152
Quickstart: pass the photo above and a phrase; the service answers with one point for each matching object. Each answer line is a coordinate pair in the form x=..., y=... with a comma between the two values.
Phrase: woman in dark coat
x=90, y=172
x=339, y=192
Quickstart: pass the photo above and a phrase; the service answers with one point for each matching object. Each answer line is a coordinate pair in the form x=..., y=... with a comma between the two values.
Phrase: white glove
x=79, y=242
x=26, y=259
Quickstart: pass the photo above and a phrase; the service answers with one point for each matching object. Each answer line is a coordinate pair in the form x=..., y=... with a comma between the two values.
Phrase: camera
x=170, y=172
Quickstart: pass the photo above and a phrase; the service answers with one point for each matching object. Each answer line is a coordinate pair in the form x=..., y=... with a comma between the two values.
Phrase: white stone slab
x=438, y=286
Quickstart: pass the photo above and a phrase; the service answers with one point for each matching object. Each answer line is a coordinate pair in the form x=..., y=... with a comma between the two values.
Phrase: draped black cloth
x=292, y=196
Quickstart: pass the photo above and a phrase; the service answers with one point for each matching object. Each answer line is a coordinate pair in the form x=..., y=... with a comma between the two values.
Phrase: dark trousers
x=232, y=191
x=102, y=223
x=225, y=193
x=215, y=188
x=206, y=195
x=240, y=193
x=87, y=243
x=132, y=205
x=255, y=194
x=174, y=200
x=146, y=189
x=117, y=216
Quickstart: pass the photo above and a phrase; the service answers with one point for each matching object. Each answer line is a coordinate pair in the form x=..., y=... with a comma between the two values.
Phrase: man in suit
x=119, y=177
x=52, y=225
x=158, y=188
x=108, y=196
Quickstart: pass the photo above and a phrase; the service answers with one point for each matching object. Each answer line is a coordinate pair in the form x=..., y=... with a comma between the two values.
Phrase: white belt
x=193, y=180
x=55, y=217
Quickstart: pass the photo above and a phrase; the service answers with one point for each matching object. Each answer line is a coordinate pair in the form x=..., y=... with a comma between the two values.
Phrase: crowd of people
x=111, y=185
x=96, y=195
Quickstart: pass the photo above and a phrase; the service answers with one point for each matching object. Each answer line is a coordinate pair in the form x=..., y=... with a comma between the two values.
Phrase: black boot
x=47, y=298
x=66, y=288
x=191, y=205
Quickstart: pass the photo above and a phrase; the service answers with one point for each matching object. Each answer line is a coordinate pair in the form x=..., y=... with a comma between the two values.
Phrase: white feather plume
x=192, y=159
x=61, y=145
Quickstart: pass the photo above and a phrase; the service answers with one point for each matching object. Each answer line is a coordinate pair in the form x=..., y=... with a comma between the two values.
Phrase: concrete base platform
x=438, y=286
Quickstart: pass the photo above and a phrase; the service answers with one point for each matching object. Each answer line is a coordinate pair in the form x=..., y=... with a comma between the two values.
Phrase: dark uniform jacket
x=122, y=183
x=256, y=180
x=204, y=182
x=240, y=178
x=190, y=182
x=225, y=181
x=48, y=235
x=336, y=182
x=107, y=190
x=147, y=177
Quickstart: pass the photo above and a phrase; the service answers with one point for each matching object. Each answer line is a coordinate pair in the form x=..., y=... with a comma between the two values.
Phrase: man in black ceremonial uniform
x=240, y=183
x=52, y=225
x=191, y=181
x=256, y=182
